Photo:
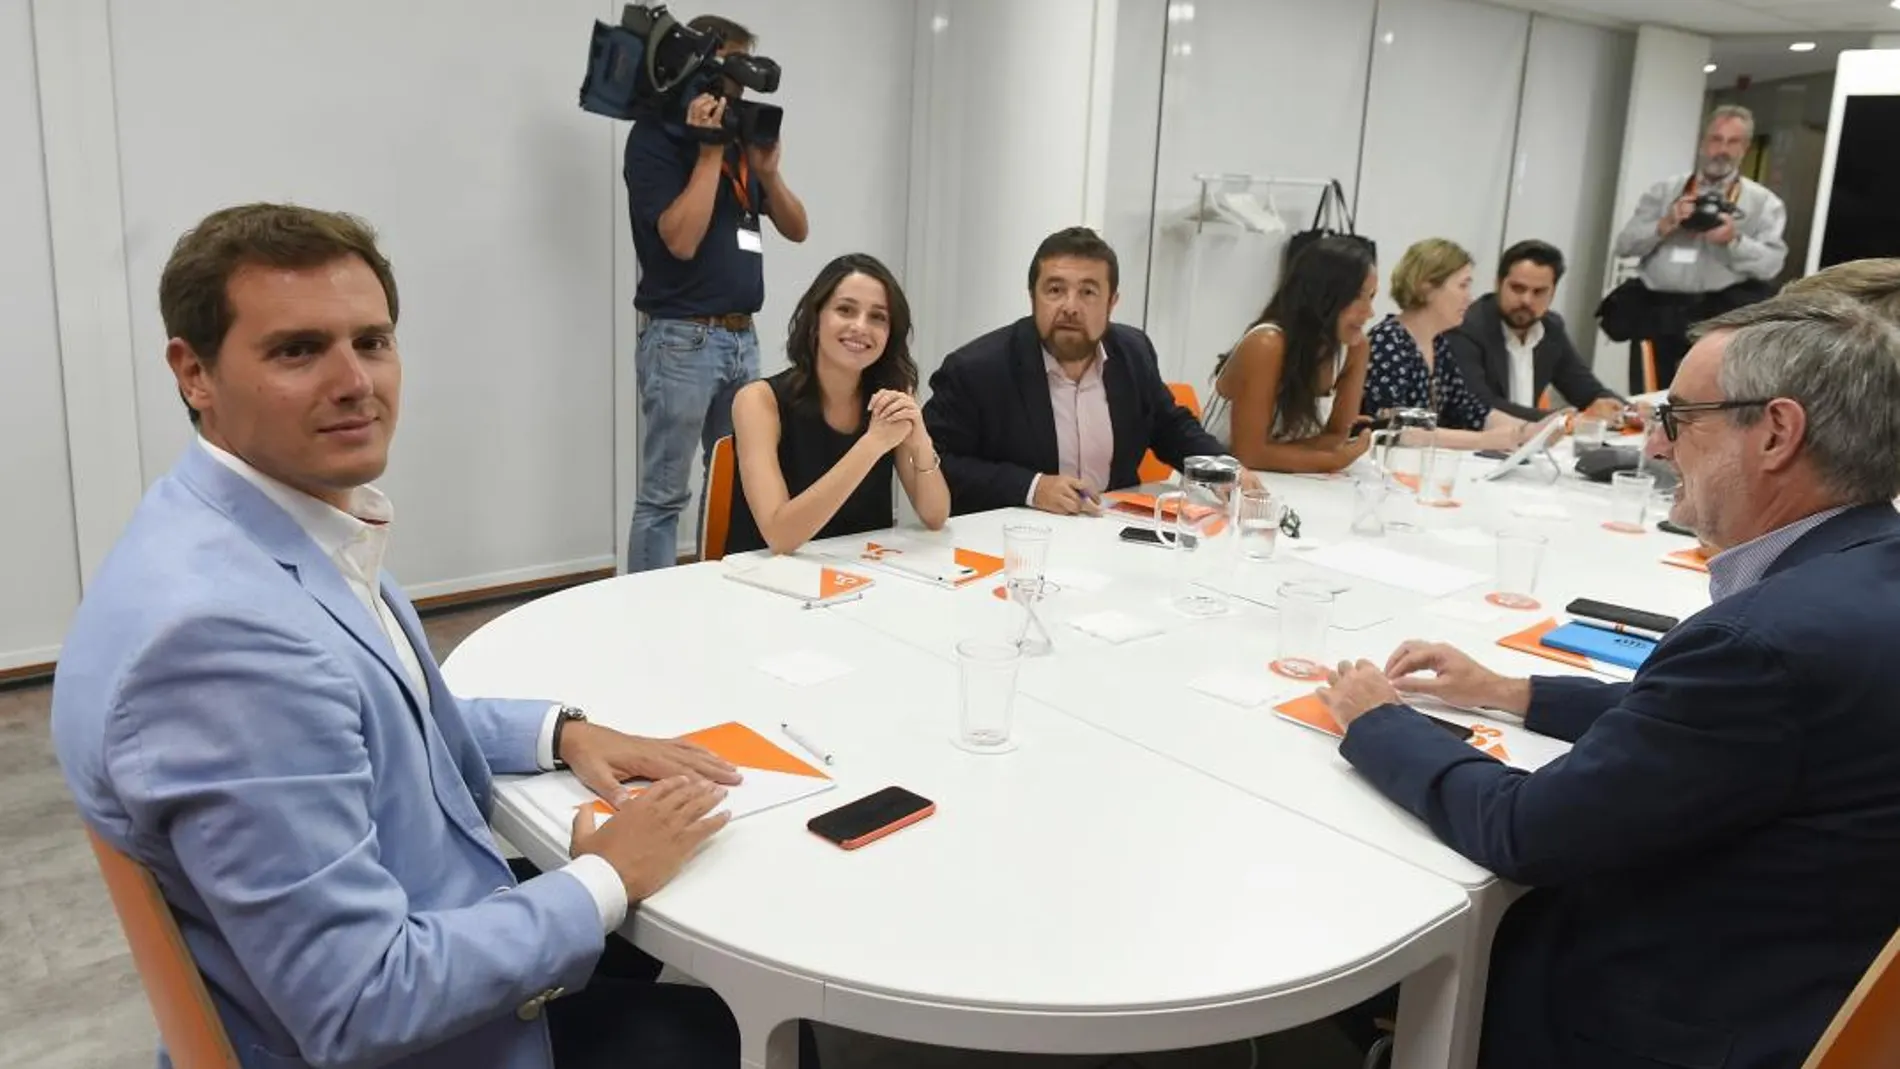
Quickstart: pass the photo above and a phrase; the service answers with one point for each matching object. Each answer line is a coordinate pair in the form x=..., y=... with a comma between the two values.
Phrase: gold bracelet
x=937, y=462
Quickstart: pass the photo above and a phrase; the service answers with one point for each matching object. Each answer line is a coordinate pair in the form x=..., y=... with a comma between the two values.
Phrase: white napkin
x=1115, y=626
x=803, y=668
x=1468, y=537
x=1245, y=689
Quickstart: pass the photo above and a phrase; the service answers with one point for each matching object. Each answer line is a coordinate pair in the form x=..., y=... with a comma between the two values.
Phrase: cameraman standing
x=696, y=207
x=1693, y=273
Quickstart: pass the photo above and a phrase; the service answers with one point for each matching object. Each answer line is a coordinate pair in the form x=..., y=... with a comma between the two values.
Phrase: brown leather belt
x=733, y=321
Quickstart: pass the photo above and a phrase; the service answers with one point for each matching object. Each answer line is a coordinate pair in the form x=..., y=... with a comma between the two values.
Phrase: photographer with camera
x=1709, y=242
x=697, y=191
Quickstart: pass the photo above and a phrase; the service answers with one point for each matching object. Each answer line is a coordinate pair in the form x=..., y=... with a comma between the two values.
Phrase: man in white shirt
x=1690, y=254
x=1512, y=347
x=246, y=705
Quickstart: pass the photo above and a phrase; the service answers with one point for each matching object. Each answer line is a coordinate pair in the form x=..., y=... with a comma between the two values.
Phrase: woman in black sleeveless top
x=818, y=442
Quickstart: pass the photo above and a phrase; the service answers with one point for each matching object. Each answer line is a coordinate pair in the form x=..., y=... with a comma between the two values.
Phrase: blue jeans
x=688, y=373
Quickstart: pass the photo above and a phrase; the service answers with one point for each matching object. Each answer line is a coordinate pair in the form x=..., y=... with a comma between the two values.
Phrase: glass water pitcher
x=1200, y=520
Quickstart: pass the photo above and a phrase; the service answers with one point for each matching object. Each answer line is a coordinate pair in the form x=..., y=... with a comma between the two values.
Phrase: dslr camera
x=1711, y=211
x=652, y=64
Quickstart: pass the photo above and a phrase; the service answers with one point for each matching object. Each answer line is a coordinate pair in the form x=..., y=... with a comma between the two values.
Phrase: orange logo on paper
x=832, y=582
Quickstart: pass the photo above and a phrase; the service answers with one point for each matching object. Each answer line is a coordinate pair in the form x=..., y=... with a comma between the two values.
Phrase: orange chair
x=715, y=521
x=1865, y=1033
x=187, y=1022
x=1152, y=469
x=1650, y=385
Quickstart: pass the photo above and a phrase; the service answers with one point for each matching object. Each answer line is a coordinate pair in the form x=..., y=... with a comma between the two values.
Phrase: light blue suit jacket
x=228, y=713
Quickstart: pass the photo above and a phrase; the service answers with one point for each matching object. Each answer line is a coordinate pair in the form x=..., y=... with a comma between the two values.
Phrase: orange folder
x=1530, y=640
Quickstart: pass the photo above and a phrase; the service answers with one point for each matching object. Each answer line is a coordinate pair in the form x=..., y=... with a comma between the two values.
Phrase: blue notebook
x=1626, y=651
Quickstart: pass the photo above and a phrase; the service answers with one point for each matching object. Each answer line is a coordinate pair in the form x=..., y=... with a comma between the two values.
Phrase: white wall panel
x=1439, y=128
x=1568, y=144
x=39, y=564
x=452, y=127
x=1266, y=87
x=1134, y=116
x=1001, y=149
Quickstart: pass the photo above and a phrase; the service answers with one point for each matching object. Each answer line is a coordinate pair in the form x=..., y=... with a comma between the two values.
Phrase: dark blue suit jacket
x=993, y=423
x=1717, y=861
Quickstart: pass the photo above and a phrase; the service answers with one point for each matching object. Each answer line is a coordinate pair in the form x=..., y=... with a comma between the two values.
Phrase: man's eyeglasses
x=1670, y=413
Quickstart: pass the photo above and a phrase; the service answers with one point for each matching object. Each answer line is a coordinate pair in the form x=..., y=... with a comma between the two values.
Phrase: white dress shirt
x=1524, y=362
x=355, y=542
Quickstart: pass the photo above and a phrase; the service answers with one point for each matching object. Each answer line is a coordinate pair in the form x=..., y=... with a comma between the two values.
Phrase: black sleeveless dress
x=808, y=447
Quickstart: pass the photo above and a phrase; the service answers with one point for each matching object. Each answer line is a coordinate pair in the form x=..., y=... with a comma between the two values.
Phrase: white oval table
x=1138, y=691
x=1083, y=894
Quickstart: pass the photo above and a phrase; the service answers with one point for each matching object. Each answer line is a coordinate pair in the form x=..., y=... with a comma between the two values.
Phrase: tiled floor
x=70, y=999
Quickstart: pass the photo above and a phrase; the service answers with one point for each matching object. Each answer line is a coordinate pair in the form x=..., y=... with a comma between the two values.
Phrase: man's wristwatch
x=565, y=715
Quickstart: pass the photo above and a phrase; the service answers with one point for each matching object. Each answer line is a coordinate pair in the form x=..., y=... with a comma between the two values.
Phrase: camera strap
x=741, y=182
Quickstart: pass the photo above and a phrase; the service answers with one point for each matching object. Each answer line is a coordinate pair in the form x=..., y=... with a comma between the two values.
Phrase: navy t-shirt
x=722, y=277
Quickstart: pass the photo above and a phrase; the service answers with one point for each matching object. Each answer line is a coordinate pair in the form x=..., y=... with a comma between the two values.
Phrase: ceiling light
x=1894, y=4
x=1709, y=68
x=1801, y=46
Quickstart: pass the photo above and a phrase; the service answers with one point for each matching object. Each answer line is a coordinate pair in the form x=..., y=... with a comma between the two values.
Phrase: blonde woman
x=1412, y=365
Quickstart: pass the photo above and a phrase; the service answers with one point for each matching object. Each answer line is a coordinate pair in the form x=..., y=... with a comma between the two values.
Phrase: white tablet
x=1537, y=443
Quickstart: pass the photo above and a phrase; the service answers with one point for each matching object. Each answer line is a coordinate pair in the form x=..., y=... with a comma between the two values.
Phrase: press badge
x=1681, y=254
x=749, y=241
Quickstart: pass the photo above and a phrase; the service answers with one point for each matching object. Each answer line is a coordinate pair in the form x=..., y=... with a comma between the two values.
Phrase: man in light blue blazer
x=246, y=705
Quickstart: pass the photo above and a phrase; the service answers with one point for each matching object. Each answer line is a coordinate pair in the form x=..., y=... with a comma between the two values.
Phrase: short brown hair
x=1875, y=283
x=1426, y=266
x=1080, y=243
x=733, y=34
x=194, y=290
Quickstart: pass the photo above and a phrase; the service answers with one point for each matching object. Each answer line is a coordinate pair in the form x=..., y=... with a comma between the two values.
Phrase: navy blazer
x=1717, y=861
x=992, y=421
x=1478, y=346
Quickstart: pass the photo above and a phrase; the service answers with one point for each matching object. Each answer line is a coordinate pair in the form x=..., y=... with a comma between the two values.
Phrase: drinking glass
x=987, y=692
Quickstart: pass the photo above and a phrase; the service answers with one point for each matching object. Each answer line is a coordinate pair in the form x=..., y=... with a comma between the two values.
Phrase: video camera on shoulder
x=1711, y=211
x=653, y=64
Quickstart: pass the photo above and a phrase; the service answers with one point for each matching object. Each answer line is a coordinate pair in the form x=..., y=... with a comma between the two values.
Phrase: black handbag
x=1332, y=219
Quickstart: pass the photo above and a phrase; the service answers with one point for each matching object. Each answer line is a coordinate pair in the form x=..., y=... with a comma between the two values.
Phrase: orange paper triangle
x=748, y=749
x=1693, y=559
x=982, y=565
x=1313, y=713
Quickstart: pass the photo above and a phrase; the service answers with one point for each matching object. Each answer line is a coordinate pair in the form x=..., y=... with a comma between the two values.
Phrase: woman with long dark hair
x=818, y=442
x=1287, y=397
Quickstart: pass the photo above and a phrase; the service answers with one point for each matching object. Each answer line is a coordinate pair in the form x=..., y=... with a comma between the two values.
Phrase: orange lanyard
x=741, y=182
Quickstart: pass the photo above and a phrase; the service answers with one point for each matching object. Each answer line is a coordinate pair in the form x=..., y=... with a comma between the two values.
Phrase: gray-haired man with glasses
x=1738, y=803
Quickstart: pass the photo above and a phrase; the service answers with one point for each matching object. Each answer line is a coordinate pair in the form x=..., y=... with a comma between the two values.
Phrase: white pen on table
x=805, y=742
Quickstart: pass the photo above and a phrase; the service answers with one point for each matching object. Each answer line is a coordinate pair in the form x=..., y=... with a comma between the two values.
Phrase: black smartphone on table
x=1622, y=617
x=1460, y=731
x=871, y=817
x=1148, y=536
